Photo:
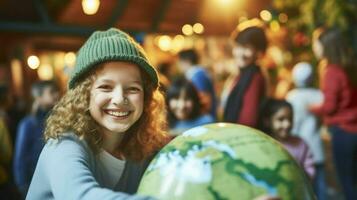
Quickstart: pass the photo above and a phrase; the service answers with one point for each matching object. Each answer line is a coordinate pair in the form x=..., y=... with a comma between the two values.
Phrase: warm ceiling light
x=33, y=62
x=187, y=29
x=198, y=28
x=90, y=7
x=225, y=2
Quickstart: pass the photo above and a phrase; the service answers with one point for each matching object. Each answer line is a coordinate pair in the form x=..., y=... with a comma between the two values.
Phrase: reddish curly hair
x=146, y=136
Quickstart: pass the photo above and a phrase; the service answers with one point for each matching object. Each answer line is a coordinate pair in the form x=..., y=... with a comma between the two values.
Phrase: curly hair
x=144, y=138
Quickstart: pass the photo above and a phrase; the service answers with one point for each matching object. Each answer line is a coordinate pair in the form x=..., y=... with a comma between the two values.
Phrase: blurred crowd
x=295, y=119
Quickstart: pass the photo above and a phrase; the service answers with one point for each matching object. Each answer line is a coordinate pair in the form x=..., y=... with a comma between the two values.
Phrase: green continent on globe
x=224, y=161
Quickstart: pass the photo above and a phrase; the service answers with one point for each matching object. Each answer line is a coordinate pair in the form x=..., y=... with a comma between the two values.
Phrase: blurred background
x=39, y=38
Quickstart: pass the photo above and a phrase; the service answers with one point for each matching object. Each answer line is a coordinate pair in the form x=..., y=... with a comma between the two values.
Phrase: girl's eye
x=134, y=89
x=104, y=87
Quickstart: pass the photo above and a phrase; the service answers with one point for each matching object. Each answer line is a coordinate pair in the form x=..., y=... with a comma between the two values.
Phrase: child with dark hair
x=276, y=119
x=339, y=108
x=184, y=107
x=248, y=88
x=29, y=138
x=200, y=78
x=306, y=124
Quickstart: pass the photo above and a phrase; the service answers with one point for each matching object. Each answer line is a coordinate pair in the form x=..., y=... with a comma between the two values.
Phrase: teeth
x=118, y=114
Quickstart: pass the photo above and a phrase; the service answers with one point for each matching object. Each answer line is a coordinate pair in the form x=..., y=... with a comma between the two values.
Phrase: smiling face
x=117, y=97
x=244, y=55
x=49, y=97
x=281, y=123
x=182, y=106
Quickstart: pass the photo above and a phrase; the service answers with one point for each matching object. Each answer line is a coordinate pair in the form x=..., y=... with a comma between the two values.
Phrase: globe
x=224, y=161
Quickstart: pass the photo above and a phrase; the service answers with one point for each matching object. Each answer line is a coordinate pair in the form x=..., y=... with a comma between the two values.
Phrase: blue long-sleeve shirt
x=69, y=169
x=28, y=146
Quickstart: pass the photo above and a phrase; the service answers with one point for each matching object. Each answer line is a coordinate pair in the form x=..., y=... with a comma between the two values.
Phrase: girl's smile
x=117, y=97
x=281, y=123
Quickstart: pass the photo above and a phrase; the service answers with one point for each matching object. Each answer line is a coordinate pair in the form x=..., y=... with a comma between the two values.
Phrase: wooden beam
x=160, y=16
x=117, y=12
x=51, y=29
x=40, y=28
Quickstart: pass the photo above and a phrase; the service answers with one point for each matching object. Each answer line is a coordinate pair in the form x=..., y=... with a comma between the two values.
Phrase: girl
x=101, y=133
x=184, y=107
x=277, y=121
x=339, y=108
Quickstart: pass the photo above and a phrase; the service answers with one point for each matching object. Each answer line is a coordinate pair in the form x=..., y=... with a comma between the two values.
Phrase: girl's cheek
x=137, y=98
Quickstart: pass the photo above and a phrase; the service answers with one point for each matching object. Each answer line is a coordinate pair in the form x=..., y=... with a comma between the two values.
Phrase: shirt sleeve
x=201, y=81
x=308, y=161
x=330, y=92
x=67, y=166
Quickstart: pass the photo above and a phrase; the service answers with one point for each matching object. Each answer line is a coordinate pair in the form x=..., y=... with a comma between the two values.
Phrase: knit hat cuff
x=110, y=45
x=142, y=64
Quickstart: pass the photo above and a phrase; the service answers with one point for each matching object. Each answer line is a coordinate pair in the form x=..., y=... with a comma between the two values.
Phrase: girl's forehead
x=284, y=110
x=244, y=46
x=119, y=71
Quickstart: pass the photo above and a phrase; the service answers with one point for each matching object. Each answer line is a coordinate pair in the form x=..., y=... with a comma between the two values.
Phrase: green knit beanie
x=110, y=45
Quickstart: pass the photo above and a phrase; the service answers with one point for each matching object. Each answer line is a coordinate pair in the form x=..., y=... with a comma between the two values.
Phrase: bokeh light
x=275, y=26
x=33, y=62
x=198, y=28
x=70, y=59
x=90, y=7
x=165, y=43
x=187, y=29
x=283, y=18
x=265, y=15
x=45, y=72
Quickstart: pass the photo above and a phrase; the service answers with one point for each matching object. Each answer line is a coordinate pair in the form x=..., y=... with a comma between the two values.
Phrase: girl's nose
x=287, y=123
x=118, y=96
x=180, y=104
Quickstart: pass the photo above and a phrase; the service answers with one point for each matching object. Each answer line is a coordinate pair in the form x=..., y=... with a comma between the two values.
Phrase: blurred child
x=306, y=124
x=184, y=107
x=339, y=107
x=200, y=78
x=248, y=88
x=29, y=139
x=277, y=121
x=100, y=135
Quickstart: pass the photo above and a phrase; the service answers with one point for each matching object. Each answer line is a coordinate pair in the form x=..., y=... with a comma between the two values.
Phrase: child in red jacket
x=248, y=88
x=339, y=108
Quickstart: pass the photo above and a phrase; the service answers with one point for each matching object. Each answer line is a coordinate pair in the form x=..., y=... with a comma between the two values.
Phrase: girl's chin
x=282, y=137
